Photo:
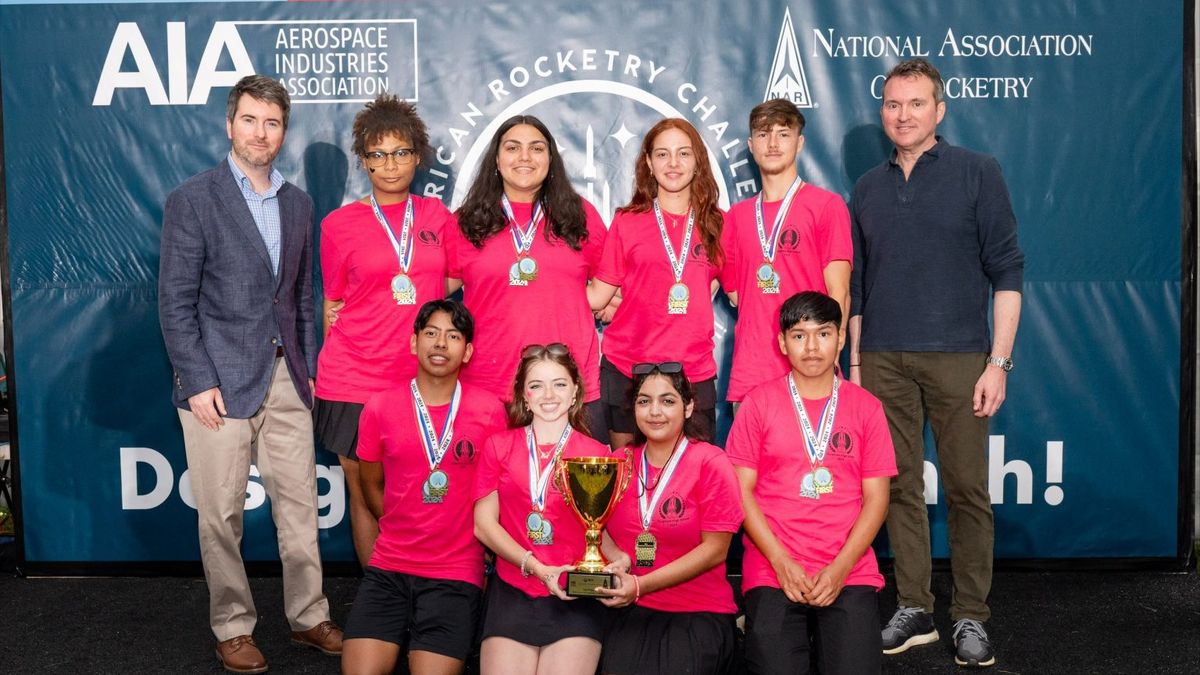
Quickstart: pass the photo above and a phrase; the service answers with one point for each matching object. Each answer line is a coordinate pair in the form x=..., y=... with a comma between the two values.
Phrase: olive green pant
x=939, y=386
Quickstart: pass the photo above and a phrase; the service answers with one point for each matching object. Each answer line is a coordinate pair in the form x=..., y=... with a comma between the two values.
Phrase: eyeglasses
x=666, y=368
x=553, y=349
x=377, y=158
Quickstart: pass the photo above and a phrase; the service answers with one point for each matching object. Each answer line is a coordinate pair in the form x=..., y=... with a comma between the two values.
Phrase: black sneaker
x=909, y=627
x=971, y=645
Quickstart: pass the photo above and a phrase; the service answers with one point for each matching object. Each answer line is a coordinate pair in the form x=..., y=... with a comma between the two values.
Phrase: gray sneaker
x=909, y=627
x=971, y=645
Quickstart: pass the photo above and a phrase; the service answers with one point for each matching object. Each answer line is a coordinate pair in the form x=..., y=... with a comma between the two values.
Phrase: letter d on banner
x=164, y=478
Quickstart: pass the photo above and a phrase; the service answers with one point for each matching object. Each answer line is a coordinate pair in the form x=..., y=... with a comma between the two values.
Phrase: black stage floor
x=1044, y=622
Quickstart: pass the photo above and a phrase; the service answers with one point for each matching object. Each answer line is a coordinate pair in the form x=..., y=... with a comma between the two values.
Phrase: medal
x=537, y=527
x=404, y=291
x=819, y=480
x=766, y=277
x=646, y=548
x=434, y=490
x=524, y=270
x=677, y=297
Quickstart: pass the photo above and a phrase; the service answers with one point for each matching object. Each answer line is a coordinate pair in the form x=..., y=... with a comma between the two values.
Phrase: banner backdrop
x=108, y=107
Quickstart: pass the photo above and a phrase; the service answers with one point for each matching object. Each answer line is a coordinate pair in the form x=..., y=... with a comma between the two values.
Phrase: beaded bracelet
x=525, y=559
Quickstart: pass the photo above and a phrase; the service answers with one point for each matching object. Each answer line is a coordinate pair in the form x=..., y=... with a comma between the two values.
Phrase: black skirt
x=538, y=622
x=645, y=641
x=336, y=424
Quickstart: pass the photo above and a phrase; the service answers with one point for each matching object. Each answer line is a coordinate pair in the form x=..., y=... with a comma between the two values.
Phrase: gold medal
x=646, y=549
x=677, y=299
x=404, y=292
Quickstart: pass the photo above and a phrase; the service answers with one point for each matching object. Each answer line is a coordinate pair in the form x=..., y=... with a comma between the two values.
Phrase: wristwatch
x=1002, y=362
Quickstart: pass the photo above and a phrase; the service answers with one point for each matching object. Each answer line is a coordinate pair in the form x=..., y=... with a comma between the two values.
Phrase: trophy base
x=584, y=584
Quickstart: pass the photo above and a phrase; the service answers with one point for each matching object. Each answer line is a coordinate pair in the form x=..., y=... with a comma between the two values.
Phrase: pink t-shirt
x=505, y=469
x=643, y=330
x=703, y=496
x=551, y=308
x=815, y=233
x=367, y=349
x=766, y=436
x=434, y=540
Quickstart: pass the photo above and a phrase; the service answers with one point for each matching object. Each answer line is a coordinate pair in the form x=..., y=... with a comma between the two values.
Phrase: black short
x=644, y=641
x=432, y=615
x=780, y=634
x=509, y=613
x=615, y=392
x=336, y=424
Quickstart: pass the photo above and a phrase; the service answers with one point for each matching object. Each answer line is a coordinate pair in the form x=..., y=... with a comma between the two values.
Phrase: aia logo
x=429, y=238
x=463, y=452
x=672, y=509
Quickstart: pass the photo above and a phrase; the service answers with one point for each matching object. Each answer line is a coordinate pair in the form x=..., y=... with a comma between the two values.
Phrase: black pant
x=780, y=633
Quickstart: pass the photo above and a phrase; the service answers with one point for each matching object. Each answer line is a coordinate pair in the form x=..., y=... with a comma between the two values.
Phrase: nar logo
x=787, y=79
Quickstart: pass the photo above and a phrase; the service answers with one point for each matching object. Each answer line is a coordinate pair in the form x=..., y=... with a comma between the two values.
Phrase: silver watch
x=1002, y=362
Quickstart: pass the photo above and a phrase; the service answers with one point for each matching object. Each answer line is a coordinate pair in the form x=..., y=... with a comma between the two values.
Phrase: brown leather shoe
x=241, y=655
x=325, y=636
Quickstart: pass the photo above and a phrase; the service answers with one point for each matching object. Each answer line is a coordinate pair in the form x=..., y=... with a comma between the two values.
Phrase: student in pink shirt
x=791, y=237
x=525, y=248
x=668, y=539
x=814, y=458
x=664, y=251
x=530, y=625
x=382, y=257
x=418, y=447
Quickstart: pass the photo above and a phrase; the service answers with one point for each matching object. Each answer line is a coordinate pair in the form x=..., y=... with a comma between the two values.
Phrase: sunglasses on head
x=666, y=368
x=553, y=349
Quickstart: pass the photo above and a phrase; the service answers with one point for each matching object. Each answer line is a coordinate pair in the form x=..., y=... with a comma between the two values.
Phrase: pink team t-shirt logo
x=840, y=445
x=429, y=238
x=672, y=510
x=463, y=452
x=789, y=239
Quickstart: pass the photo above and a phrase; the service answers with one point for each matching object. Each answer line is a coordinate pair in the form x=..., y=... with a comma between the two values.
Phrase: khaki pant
x=940, y=385
x=278, y=439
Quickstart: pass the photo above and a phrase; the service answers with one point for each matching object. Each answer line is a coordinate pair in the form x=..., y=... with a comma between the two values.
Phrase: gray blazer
x=222, y=310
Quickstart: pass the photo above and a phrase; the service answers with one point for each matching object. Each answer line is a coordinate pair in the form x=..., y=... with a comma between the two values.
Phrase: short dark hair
x=776, y=111
x=459, y=316
x=262, y=88
x=387, y=114
x=692, y=428
x=809, y=306
x=919, y=68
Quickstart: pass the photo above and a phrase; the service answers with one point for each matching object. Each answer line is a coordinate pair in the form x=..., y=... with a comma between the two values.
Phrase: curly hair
x=389, y=115
x=480, y=216
x=704, y=195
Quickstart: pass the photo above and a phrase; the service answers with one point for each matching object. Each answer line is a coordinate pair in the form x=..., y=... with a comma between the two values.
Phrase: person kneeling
x=417, y=448
x=812, y=511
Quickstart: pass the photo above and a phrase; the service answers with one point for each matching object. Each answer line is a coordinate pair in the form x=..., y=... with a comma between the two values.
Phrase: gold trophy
x=592, y=486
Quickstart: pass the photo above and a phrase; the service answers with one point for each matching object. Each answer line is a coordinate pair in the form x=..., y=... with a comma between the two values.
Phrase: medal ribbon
x=539, y=483
x=677, y=263
x=647, y=510
x=435, y=447
x=522, y=237
x=770, y=247
x=403, y=247
x=815, y=443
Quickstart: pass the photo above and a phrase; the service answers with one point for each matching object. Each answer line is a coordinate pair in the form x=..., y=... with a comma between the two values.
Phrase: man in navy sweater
x=934, y=239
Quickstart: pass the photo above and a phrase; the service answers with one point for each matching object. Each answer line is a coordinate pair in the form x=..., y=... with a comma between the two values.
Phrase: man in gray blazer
x=236, y=306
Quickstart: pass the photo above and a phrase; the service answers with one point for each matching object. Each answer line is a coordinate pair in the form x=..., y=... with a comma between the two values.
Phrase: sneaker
x=909, y=627
x=971, y=645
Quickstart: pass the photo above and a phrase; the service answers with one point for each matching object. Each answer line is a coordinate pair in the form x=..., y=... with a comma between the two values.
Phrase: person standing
x=236, y=308
x=791, y=237
x=934, y=238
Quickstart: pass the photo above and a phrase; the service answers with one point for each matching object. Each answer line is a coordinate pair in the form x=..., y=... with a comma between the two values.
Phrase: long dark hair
x=704, y=193
x=687, y=394
x=518, y=414
x=480, y=215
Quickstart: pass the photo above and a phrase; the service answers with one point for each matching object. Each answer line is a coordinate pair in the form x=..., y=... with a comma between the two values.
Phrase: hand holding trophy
x=592, y=486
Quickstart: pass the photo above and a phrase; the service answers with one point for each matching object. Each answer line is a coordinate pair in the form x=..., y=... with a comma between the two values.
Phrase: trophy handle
x=559, y=478
x=626, y=473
